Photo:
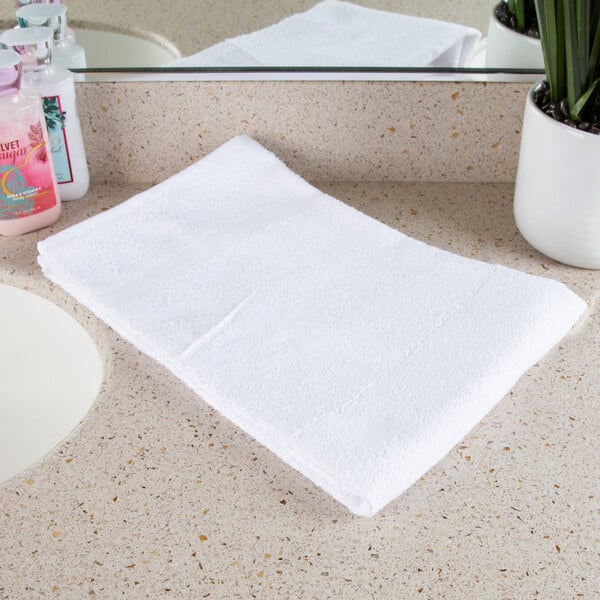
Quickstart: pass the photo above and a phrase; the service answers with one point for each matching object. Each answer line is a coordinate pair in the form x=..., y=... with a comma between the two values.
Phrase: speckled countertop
x=155, y=495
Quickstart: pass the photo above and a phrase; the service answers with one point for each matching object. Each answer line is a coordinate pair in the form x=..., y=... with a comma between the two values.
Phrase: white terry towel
x=358, y=355
x=340, y=34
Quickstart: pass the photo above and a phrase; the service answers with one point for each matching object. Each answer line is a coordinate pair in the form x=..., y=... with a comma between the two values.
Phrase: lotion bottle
x=57, y=88
x=29, y=197
x=65, y=53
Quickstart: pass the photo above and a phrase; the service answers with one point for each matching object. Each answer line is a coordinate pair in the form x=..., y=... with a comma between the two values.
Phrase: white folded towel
x=340, y=34
x=358, y=355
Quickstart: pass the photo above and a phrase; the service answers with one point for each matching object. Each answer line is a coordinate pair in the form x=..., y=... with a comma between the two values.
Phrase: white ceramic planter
x=510, y=49
x=557, y=192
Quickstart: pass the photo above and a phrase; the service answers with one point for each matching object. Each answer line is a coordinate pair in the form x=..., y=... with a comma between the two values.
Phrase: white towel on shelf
x=358, y=355
x=340, y=34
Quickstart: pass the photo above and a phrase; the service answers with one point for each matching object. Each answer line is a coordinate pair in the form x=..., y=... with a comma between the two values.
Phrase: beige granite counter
x=323, y=130
x=155, y=495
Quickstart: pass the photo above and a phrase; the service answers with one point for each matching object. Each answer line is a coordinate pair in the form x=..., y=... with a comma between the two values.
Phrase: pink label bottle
x=56, y=86
x=29, y=197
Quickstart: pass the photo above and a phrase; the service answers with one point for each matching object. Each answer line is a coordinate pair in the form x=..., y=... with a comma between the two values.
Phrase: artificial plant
x=519, y=15
x=524, y=13
x=570, y=37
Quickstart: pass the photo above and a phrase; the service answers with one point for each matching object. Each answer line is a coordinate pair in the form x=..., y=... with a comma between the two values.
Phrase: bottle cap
x=34, y=44
x=45, y=15
x=10, y=72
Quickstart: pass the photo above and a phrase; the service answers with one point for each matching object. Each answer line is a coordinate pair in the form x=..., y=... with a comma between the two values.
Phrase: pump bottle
x=56, y=87
x=29, y=197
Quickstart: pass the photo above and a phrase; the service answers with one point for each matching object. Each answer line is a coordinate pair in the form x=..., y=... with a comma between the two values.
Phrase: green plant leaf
x=523, y=11
x=546, y=12
x=520, y=14
x=594, y=63
x=561, y=61
x=571, y=49
x=579, y=106
x=570, y=36
x=582, y=55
